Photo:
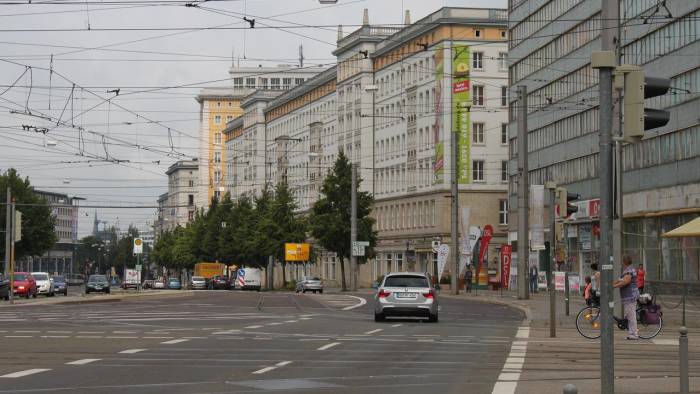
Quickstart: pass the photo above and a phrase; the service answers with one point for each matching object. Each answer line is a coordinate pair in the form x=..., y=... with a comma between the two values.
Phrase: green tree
x=330, y=215
x=38, y=222
x=286, y=226
x=264, y=228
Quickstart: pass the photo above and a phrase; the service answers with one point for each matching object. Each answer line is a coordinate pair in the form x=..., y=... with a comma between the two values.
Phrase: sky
x=63, y=124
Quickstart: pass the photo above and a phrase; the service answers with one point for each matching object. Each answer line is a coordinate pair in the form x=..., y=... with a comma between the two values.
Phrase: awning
x=690, y=229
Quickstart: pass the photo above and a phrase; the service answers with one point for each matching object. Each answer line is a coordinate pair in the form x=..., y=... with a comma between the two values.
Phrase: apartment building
x=550, y=51
x=177, y=206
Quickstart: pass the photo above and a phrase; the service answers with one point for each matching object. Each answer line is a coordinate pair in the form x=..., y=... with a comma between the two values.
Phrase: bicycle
x=649, y=320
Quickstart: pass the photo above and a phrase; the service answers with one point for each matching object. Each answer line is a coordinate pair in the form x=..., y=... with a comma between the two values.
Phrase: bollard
x=570, y=389
x=683, y=357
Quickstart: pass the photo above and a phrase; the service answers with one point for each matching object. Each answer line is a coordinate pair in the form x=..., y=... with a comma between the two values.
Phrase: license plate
x=406, y=295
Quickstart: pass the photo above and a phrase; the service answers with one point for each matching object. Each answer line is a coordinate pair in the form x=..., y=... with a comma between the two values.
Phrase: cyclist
x=629, y=295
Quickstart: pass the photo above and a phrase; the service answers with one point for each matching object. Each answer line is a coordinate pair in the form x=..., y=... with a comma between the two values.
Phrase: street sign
x=138, y=267
x=18, y=226
x=361, y=243
x=138, y=246
x=358, y=250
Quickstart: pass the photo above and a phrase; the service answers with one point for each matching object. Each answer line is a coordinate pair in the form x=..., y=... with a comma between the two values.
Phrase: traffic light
x=566, y=209
x=636, y=88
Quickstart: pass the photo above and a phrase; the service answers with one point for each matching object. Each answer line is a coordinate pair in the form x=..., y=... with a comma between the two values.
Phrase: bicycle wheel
x=649, y=330
x=588, y=322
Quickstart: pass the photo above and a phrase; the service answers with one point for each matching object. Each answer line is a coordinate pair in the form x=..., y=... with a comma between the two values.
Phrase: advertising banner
x=464, y=216
x=132, y=276
x=442, y=254
x=484, y=247
x=536, y=217
x=296, y=252
x=461, y=122
x=506, y=254
x=439, y=166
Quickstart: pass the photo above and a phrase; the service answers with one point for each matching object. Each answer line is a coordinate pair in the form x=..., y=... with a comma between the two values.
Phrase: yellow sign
x=296, y=252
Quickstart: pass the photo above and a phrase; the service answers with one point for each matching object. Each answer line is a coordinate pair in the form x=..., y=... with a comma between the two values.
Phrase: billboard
x=296, y=252
x=438, y=138
x=461, y=120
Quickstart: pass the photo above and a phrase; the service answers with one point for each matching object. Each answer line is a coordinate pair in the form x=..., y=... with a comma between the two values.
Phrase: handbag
x=652, y=314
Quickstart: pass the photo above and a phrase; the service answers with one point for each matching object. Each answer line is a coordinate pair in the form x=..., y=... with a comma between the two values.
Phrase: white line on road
x=266, y=369
x=274, y=324
x=304, y=318
x=253, y=327
x=132, y=351
x=328, y=346
x=83, y=361
x=283, y=363
x=397, y=325
x=24, y=373
x=507, y=382
x=19, y=336
x=362, y=302
x=174, y=341
x=374, y=331
x=291, y=321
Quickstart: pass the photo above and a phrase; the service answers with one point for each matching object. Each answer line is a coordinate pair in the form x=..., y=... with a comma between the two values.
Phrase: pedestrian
x=640, y=278
x=588, y=291
x=595, y=284
x=468, y=278
x=533, y=279
x=629, y=295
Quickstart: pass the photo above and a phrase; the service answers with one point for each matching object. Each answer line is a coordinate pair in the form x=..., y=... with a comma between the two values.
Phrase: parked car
x=309, y=283
x=59, y=285
x=147, y=284
x=174, y=284
x=248, y=279
x=24, y=285
x=159, y=284
x=4, y=288
x=220, y=282
x=97, y=283
x=198, y=283
x=43, y=283
x=406, y=294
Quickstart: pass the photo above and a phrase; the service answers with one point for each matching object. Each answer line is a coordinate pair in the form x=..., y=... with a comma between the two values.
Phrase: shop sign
x=587, y=209
x=585, y=236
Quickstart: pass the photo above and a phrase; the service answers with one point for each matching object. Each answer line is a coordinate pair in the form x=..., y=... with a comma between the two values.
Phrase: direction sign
x=361, y=243
x=358, y=250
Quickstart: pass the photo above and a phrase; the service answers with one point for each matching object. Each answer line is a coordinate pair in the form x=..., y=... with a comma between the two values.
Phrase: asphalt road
x=245, y=342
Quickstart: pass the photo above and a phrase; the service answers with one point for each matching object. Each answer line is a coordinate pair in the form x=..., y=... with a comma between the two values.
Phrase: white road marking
x=174, y=341
x=274, y=324
x=283, y=363
x=304, y=318
x=291, y=321
x=328, y=346
x=59, y=332
x=156, y=337
x=19, y=336
x=510, y=373
x=374, y=331
x=397, y=325
x=26, y=331
x=253, y=327
x=91, y=332
x=266, y=369
x=118, y=337
x=132, y=351
x=83, y=361
x=362, y=302
x=668, y=342
x=54, y=336
x=88, y=336
x=24, y=373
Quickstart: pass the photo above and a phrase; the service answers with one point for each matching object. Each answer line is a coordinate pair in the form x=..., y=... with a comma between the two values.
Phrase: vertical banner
x=442, y=254
x=461, y=123
x=464, y=250
x=439, y=164
x=537, y=217
x=485, y=239
x=506, y=255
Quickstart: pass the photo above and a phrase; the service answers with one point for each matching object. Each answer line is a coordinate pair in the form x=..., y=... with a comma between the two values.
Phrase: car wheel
x=320, y=292
x=379, y=317
x=433, y=318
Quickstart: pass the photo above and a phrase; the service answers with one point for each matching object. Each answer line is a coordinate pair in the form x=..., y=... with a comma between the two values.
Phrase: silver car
x=406, y=294
x=198, y=283
x=309, y=283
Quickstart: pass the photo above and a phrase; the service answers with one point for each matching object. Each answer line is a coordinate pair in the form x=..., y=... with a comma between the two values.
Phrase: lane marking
x=397, y=325
x=362, y=302
x=291, y=321
x=328, y=346
x=19, y=336
x=274, y=324
x=83, y=361
x=283, y=363
x=24, y=373
x=253, y=327
x=88, y=336
x=174, y=341
x=266, y=369
x=374, y=331
x=132, y=351
x=507, y=382
x=304, y=318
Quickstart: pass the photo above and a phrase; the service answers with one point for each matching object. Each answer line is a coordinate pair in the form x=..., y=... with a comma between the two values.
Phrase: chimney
x=407, y=18
x=365, y=17
x=340, y=32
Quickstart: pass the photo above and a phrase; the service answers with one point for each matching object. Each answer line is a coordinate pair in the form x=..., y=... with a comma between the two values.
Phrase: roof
x=182, y=165
x=226, y=93
x=308, y=85
x=690, y=229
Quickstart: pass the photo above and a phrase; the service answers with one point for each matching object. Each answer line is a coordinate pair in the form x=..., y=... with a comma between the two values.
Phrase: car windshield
x=197, y=278
x=406, y=281
x=20, y=276
x=40, y=276
x=174, y=280
x=312, y=278
x=59, y=279
x=97, y=278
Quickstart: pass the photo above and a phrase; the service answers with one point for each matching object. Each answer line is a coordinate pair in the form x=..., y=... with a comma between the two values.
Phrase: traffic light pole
x=353, y=228
x=523, y=198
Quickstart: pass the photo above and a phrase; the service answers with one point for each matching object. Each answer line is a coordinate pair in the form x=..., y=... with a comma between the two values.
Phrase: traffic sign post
x=358, y=248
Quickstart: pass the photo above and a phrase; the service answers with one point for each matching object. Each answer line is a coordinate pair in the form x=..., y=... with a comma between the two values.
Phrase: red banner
x=459, y=87
x=485, y=239
x=506, y=252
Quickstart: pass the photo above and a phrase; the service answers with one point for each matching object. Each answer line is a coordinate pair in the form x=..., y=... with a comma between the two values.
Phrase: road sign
x=18, y=226
x=358, y=250
x=361, y=243
x=296, y=252
x=138, y=246
x=138, y=267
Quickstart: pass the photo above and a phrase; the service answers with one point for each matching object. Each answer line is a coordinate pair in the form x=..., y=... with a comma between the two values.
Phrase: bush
x=291, y=285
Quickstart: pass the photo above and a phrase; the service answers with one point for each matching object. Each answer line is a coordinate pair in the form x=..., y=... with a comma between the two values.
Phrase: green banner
x=439, y=164
x=461, y=122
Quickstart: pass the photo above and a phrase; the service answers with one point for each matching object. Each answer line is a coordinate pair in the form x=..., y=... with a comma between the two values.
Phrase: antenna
x=301, y=56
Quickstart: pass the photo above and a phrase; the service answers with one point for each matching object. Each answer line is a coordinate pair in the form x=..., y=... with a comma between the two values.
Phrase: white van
x=248, y=279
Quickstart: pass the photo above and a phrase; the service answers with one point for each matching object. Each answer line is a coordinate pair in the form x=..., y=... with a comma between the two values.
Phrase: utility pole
x=552, y=260
x=523, y=197
x=8, y=229
x=353, y=228
x=605, y=62
x=455, y=207
x=11, y=261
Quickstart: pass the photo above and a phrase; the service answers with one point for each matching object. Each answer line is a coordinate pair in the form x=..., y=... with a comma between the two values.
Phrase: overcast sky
x=149, y=67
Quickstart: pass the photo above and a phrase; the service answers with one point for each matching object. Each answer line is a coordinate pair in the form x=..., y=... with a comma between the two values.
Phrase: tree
x=38, y=221
x=286, y=226
x=330, y=215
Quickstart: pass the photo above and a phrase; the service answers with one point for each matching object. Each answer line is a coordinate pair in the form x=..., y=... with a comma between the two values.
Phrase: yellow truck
x=209, y=270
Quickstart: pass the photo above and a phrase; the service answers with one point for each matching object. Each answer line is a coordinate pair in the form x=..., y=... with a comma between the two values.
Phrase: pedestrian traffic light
x=636, y=88
x=566, y=209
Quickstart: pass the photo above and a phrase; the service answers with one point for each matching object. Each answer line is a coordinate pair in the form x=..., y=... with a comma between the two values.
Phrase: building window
x=478, y=170
x=190, y=183
x=503, y=212
x=217, y=176
x=478, y=133
x=504, y=133
x=190, y=199
x=286, y=82
x=217, y=119
x=217, y=138
x=250, y=83
x=275, y=83
x=477, y=33
x=298, y=81
x=237, y=82
x=229, y=118
x=217, y=157
x=504, y=171
x=262, y=83
x=504, y=33
x=478, y=60
x=504, y=96
x=477, y=95
x=502, y=60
